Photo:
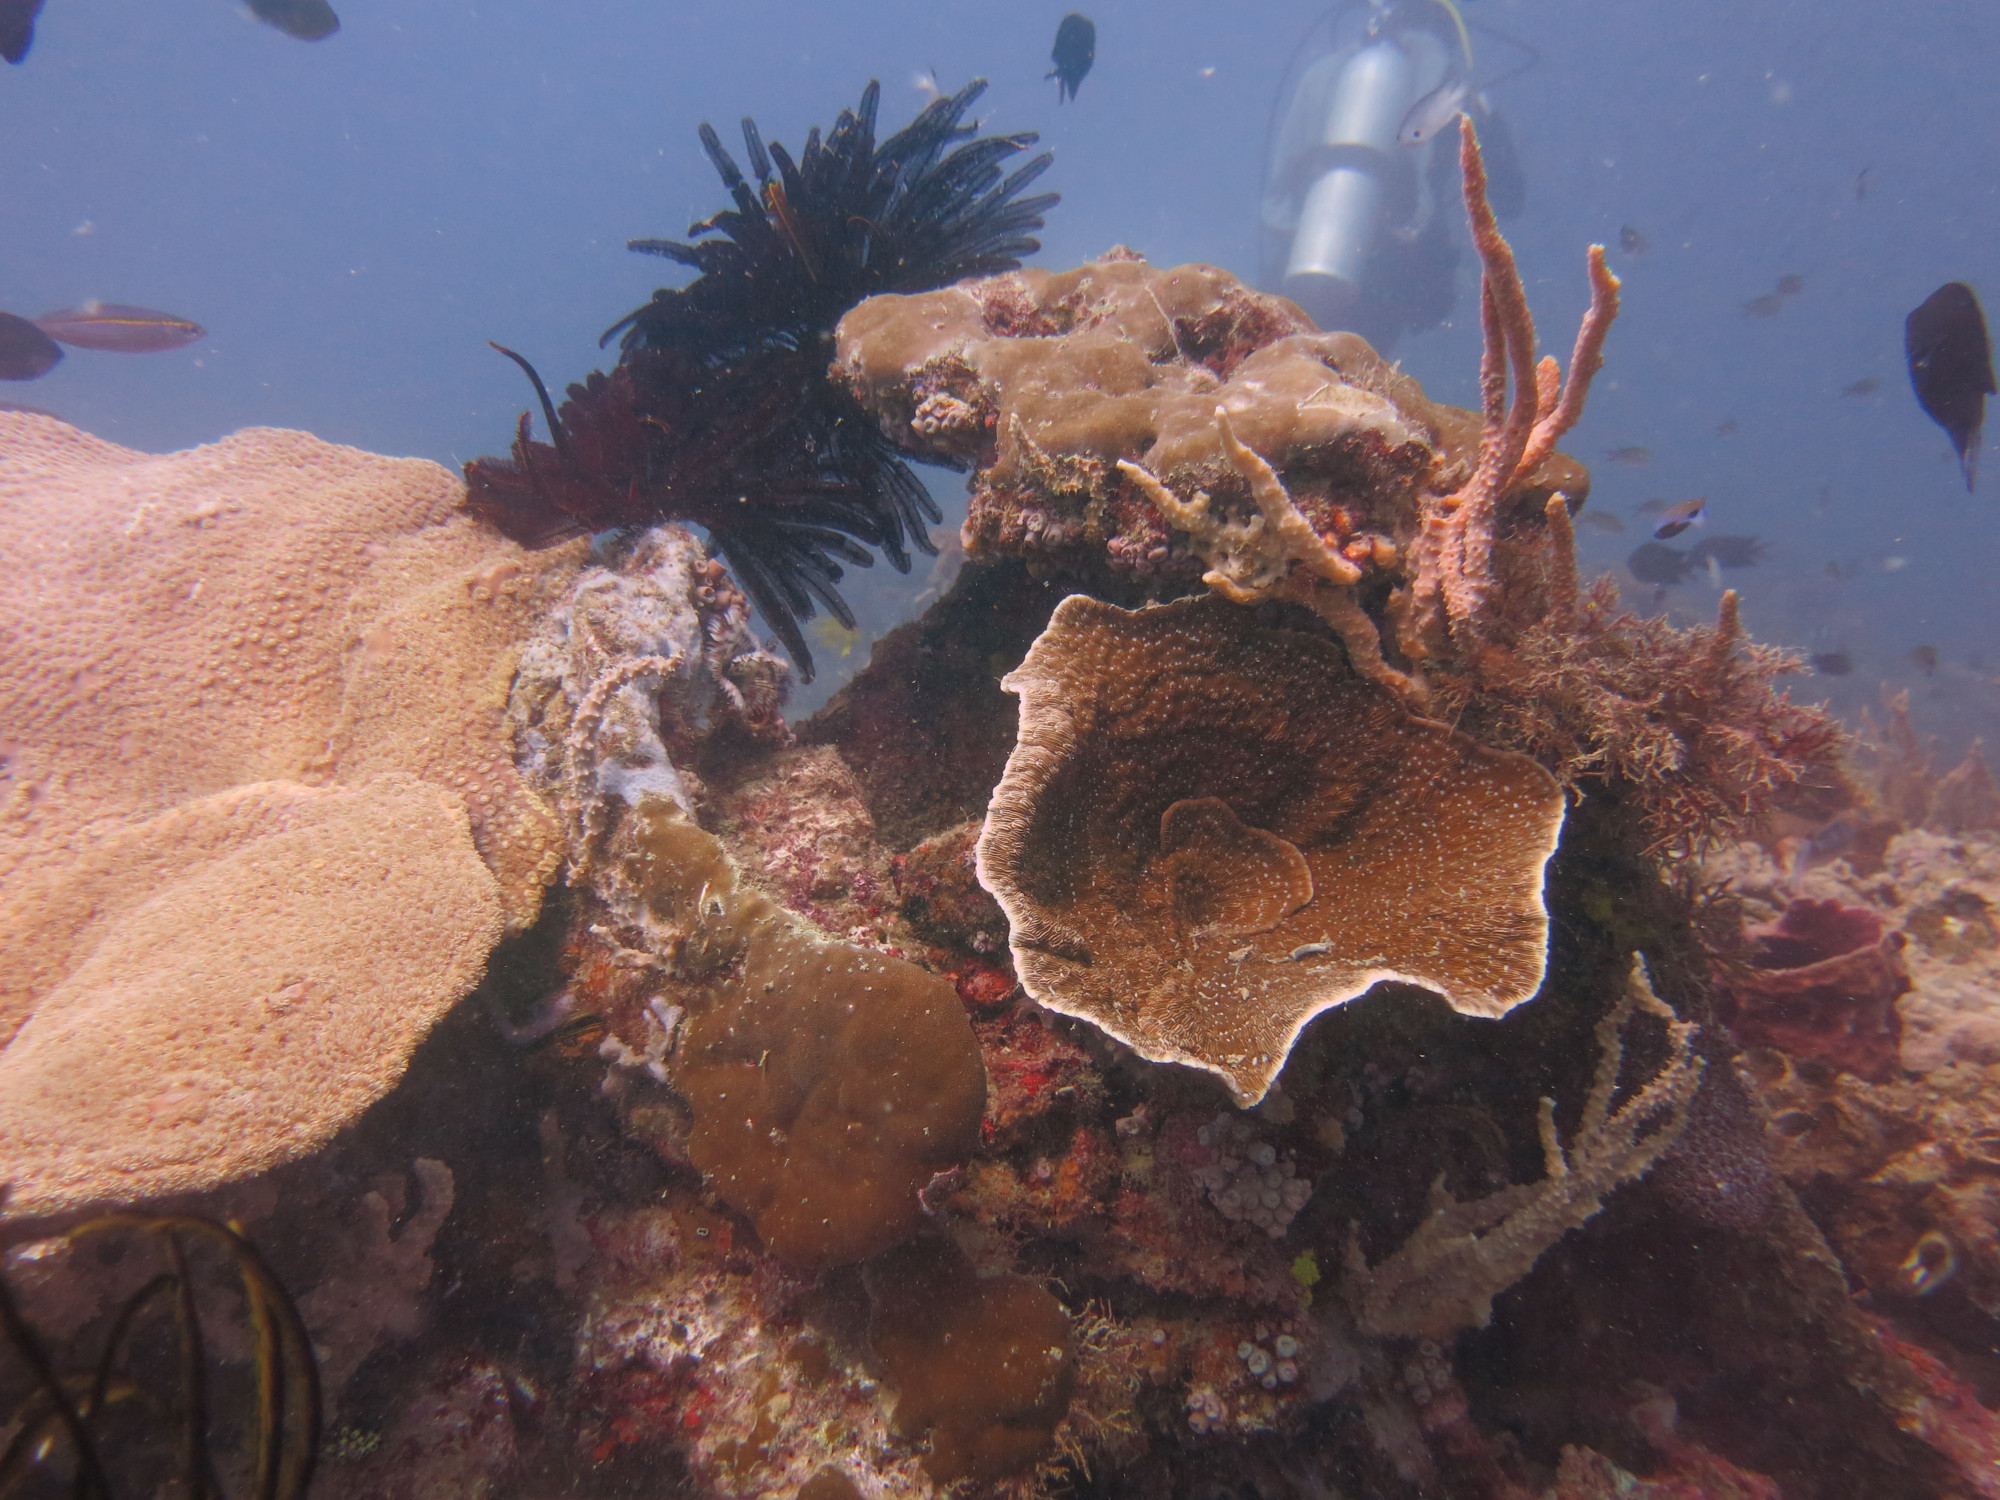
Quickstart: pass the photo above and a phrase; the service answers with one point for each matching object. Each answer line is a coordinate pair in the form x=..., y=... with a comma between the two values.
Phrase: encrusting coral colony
x=1272, y=986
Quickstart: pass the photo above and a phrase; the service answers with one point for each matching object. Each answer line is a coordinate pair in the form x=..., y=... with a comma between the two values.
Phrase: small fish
x=1666, y=566
x=1631, y=454
x=1430, y=115
x=1867, y=385
x=1651, y=507
x=1729, y=551
x=1791, y=284
x=308, y=20
x=1677, y=518
x=1835, y=570
x=17, y=27
x=1631, y=241
x=1925, y=658
x=1726, y=427
x=579, y=1036
x=1894, y=564
x=835, y=636
x=1831, y=663
x=1075, y=51
x=1861, y=184
x=1951, y=368
x=1602, y=520
x=1765, y=306
x=25, y=351
x=119, y=328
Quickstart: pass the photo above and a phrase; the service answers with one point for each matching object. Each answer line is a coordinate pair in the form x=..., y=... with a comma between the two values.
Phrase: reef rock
x=1045, y=381
x=257, y=773
x=1209, y=832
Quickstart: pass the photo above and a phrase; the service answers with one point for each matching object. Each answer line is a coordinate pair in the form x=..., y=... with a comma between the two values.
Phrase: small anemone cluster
x=719, y=411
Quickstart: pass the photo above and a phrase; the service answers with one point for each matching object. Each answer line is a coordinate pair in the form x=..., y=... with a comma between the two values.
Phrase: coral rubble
x=1210, y=832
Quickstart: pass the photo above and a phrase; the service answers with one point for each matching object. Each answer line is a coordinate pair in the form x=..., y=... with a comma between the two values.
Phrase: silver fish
x=1434, y=112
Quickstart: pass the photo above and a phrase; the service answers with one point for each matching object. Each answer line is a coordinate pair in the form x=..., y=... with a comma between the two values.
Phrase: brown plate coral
x=1210, y=831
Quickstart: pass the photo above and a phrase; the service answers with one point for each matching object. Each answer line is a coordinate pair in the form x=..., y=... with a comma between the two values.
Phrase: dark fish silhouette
x=1951, y=367
x=1867, y=385
x=1666, y=566
x=1631, y=454
x=1729, y=551
x=25, y=351
x=1726, y=427
x=1925, y=657
x=1075, y=51
x=1631, y=241
x=1831, y=663
x=1791, y=284
x=120, y=328
x=1765, y=306
x=308, y=20
x=1677, y=518
x=1601, y=520
x=17, y=27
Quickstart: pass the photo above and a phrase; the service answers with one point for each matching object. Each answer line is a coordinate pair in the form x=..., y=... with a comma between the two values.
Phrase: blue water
x=352, y=219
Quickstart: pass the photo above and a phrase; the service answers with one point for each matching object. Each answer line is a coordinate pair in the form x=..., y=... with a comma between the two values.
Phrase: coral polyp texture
x=829, y=1084
x=720, y=412
x=257, y=771
x=1163, y=428
x=1211, y=831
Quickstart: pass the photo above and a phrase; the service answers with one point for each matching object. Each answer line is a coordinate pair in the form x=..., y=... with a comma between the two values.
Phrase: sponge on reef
x=1210, y=831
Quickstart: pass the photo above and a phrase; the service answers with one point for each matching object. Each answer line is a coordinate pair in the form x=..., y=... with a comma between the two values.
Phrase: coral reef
x=248, y=909
x=207, y=604
x=1445, y=1276
x=982, y=1364
x=1822, y=982
x=1210, y=832
x=1129, y=424
x=719, y=410
x=777, y=1158
x=829, y=1084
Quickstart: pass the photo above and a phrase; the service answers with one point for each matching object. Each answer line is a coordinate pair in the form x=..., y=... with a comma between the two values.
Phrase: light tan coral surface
x=221, y=988
x=1209, y=832
x=254, y=697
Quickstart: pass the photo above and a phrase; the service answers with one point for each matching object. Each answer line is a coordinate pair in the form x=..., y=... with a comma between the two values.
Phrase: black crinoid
x=719, y=411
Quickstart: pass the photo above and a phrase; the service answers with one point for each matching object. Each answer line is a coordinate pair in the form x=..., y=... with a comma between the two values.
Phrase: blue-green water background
x=353, y=219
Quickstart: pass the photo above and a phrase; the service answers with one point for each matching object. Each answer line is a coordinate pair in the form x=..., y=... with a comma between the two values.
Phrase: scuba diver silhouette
x=1356, y=221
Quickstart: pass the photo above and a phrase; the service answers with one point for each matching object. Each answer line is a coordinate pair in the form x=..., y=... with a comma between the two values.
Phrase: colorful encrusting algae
x=1272, y=986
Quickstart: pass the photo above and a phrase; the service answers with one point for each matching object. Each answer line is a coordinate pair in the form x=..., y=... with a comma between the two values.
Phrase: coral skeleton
x=1462, y=1255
